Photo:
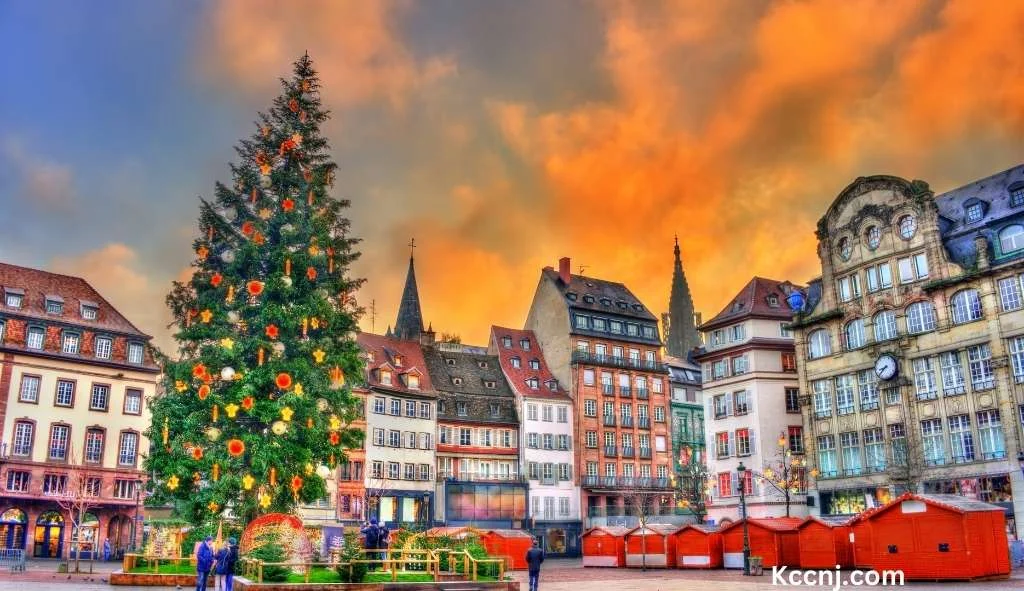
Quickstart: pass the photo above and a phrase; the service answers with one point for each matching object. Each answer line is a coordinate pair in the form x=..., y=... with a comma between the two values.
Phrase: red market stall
x=510, y=544
x=698, y=546
x=774, y=539
x=604, y=546
x=933, y=537
x=825, y=542
x=860, y=535
x=653, y=545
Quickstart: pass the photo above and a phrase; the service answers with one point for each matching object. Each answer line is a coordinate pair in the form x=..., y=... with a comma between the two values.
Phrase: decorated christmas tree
x=256, y=409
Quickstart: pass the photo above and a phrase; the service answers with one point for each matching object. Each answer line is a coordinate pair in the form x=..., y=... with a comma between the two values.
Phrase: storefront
x=13, y=525
x=851, y=501
x=49, y=535
x=485, y=505
x=396, y=507
x=559, y=539
x=994, y=489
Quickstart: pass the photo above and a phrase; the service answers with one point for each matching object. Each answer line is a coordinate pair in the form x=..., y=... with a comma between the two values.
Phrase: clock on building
x=886, y=367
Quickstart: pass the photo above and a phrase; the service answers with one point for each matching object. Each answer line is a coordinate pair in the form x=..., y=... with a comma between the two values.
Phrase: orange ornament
x=197, y=453
x=334, y=438
x=254, y=287
x=248, y=228
x=311, y=274
x=272, y=331
x=258, y=239
x=287, y=205
x=199, y=370
x=293, y=106
x=296, y=482
x=216, y=279
x=247, y=403
x=236, y=447
x=283, y=381
x=204, y=391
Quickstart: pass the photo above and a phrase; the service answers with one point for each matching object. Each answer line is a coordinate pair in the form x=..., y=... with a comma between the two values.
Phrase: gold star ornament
x=206, y=316
x=231, y=409
x=297, y=389
x=213, y=507
x=180, y=386
x=286, y=413
x=172, y=482
x=264, y=500
x=248, y=481
x=319, y=355
x=228, y=343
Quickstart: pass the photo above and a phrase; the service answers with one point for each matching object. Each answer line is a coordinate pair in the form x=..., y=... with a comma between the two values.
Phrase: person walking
x=204, y=561
x=106, y=550
x=371, y=540
x=220, y=568
x=382, y=543
x=534, y=557
x=229, y=569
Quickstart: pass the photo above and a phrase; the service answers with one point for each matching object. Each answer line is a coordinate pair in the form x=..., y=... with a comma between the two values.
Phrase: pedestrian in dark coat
x=204, y=561
x=371, y=541
x=534, y=558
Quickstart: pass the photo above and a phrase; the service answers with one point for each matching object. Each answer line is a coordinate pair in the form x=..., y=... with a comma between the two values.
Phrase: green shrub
x=348, y=571
x=268, y=549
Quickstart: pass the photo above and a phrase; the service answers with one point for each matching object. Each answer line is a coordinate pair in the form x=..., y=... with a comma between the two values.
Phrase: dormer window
x=773, y=301
x=515, y=362
x=13, y=297
x=461, y=409
x=571, y=296
x=1017, y=195
x=449, y=361
x=606, y=301
x=534, y=364
x=552, y=385
x=89, y=312
x=533, y=383
x=70, y=342
x=35, y=337
x=369, y=356
x=385, y=377
x=506, y=342
x=398, y=361
x=974, y=212
x=495, y=411
x=482, y=364
x=54, y=305
x=588, y=299
x=135, y=351
x=638, y=308
x=525, y=344
x=457, y=381
x=412, y=381
x=622, y=305
x=491, y=384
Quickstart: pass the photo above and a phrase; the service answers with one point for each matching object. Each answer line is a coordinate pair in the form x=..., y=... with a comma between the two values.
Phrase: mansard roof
x=518, y=376
x=755, y=300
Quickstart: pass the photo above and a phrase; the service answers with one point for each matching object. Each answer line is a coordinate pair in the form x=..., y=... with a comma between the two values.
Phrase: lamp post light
x=135, y=522
x=741, y=469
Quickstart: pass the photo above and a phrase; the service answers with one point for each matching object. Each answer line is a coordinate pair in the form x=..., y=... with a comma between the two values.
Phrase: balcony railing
x=627, y=452
x=610, y=451
x=645, y=452
x=625, y=391
x=608, y=389
x=641, y=393
x=626, y=482
x=618, y=361
x=609, y=420
x=626, y=421
x=479, y=476
x=643, y=422
x=548, y=480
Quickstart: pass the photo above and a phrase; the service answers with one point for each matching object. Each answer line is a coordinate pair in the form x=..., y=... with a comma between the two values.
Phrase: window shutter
x=734, y=479
x=750, y=401
x=732, y=443
x=728, y=404
x=568, y=439
x=753, y=442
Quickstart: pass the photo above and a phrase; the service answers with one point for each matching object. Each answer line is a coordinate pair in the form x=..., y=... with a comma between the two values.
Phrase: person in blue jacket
x=372, y=541
x=106, y=550
x=204, y=561
x=534, y=557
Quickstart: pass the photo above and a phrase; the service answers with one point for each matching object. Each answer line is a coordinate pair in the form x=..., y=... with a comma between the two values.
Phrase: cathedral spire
x=409, y=324
x=682, y=337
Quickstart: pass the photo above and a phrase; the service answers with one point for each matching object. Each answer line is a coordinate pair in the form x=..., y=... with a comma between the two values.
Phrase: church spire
x=682, y=335
x=409, y=324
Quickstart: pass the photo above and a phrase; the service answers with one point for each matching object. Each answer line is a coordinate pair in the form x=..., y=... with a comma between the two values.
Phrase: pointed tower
x=682, y=336
x=409, y=325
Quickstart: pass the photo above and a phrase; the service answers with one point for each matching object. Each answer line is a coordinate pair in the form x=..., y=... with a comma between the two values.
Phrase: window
x=65, y=395
x=412, y=381
x=410, y=440
x=850, y=444
x=516, y=363
x=632, y=329
x=24, y=433
x=531, y=412
x=723, y=406
x=739, y=365
x=844, y=248
x=1017, y=358
x=3, y=326
x=394, y=438
x=879, y=277
x=394, y=470
x=848, y=288
x=854, y=334
x=424, y=410
x=563, y=504
x=506, y=342
x=581, y=321
x=533, y=383
x=600, y=325
x=868, y=385
x=466, y=437
x=979, y=359
x=827, y=456
x=908, y=226
x=524, y=344
x=873, y=237
x=796, y=439
x=736, y=333
x=819, y=344
x=845, y=388
x=424, y=471
x=719, y=368
x=29, y=389
x=1009, y=294
x=124, y=489
x=966, y=306
x=723, y=444
x=410, y=408
x=934, y=449
x=100, y=397
x=385, y=377
x=659, y=414
x=920, y=317
x=874, y=450
x=591, y=439
x=534, y=364
x=34, y=340
x=725, y=488
x=792, y=400
x=461, y=409
x=17, y=481
x=822, y=398
x=54, y=306
x=54, y=484
x=59, y=442
x=396, y=407
x=546, y=413
x=378, y=405
x=898, y=437
x=103, y=347
x=133, y=401
x=89, y=312
x=1017, y=196
x=743, y=437
x=582, y=346
x=1011, y=238
x=410, y=471
x=952, y=373
x=378, y=437
x=990, y=432
x=589, y=409
x=740, y=406
x=885, y=326
x=788, y=361
x=70, y=342
x=495, y=411
x=924, y=379
x=961, y=439
x=973, y=212
x=12, y=298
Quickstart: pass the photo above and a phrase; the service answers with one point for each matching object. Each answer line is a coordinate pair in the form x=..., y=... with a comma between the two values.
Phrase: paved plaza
x=557, y=575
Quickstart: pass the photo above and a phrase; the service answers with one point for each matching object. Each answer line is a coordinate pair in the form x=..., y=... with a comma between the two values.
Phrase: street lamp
x=741, y=469
x=135, y=522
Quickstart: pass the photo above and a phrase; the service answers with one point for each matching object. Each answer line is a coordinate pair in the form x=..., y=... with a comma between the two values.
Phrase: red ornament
x=272, y=331
x=258, y=239
x=296, y=483
x=204, y=391
x=311, y=274
x=334, y=438
x=248, y=228
x=236, y=447
x=207, y=378
x=287, y=205
x=198, y=370
x=283, y=381
x=287, y=146
x=254, y=287
x=293, y=106
x=197, y=453
x=216, y=279
x=247, y=403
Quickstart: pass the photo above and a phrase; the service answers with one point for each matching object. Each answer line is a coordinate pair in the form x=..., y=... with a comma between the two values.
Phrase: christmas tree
x=256, y=410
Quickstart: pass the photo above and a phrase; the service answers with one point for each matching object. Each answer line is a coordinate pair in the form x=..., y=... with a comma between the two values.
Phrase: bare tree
x=906, y=471
x=692, y=489
x=642, y=503
x=785, y=474
x=80, y=493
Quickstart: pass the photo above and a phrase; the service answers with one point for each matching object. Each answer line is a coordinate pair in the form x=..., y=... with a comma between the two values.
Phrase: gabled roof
x=780, y=524
x=517, y=376
x=702, y=528
x=753, y=301
x=829, y=520
x=383, y=349
x=611, y=530
x=954, y=503
x=662, y=529
x=599, y=289
x=463, y=377
x=35, y=285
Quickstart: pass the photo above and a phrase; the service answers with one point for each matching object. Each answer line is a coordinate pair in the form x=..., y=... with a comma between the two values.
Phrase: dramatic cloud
x=45, y=184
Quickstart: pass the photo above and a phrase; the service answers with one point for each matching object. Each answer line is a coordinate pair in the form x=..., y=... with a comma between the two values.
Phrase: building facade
x=350, y=476
x=604, y=345
x=75, y=377
x=686, y=422
x=752, y=410
x=546, y=441
x=401, y=419
x=911, y=344
x=478, y=468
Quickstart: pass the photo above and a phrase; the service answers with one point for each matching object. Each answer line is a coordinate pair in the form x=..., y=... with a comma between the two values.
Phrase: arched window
x=920, y=317
x=874, y=236
x=908, y=226
x=819, y=344
x=853, y=334
x=845, y=250
x=885, y=326
x=966, y=306
x=1011, y=238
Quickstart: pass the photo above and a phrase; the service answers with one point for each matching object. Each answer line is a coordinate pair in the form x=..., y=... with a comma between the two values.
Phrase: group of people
x=375, y=537
x=221, y=562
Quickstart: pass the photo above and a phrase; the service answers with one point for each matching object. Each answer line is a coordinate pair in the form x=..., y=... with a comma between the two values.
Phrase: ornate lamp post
x=135, y=522
x=741, y=469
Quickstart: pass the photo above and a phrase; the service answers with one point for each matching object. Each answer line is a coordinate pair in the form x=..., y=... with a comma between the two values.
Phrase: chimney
x=563, y=270
x=981, y=245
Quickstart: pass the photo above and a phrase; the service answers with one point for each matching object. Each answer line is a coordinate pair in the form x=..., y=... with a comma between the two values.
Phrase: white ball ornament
x=265, y=181
x=233, y=316
x=323, y=471
x=228, y=256
x=227, y=374
x=278, y=348
x=287, y=281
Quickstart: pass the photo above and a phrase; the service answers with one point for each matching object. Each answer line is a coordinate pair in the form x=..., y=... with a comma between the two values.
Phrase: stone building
x=911, y=344
x=752, y=415
x=603, y=344
x=75, y=376
x=546, y=438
